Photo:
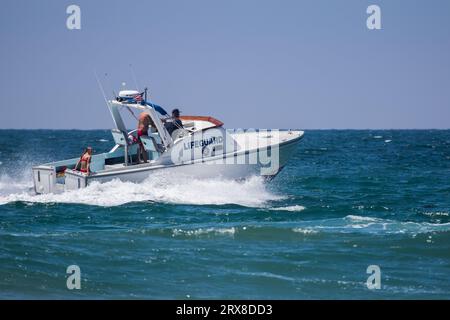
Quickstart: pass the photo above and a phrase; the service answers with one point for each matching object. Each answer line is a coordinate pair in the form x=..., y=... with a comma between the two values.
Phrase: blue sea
x=347, y=199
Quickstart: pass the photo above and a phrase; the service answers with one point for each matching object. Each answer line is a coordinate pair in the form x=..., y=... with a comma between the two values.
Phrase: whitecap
x=360, y=218
x=436, y=214
x=377, y=225
x=204, y=231
x=267, y=275
x=295, y=208
x=305, y=231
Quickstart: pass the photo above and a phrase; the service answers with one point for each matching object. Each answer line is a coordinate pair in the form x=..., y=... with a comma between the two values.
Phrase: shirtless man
x=143, y=123
x=83, y=165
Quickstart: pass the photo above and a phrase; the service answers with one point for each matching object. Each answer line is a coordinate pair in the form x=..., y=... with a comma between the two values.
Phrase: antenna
x=101, y=88
x=134, y=77
x=109, y=84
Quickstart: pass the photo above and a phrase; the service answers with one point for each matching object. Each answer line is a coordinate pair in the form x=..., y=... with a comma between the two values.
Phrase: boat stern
x=75, y=180
x=44, y=178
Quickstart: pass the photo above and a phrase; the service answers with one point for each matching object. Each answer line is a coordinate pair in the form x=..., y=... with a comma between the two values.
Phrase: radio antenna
x=101, y=88
x=134, y=77
x=108, y=82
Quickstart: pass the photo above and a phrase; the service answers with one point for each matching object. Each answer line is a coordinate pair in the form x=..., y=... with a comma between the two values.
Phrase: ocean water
x=346, y=200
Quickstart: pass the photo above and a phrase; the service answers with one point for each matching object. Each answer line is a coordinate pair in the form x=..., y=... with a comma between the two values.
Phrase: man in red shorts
x=144, y=122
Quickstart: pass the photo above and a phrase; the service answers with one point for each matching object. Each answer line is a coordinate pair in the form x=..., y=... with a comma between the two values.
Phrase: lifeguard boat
x=202, y=148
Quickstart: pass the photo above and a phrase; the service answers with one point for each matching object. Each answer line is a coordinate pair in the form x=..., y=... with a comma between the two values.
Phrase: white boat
x=202, y=148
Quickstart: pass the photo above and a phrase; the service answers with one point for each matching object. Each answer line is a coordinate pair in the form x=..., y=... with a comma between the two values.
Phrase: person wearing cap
x=175, y=123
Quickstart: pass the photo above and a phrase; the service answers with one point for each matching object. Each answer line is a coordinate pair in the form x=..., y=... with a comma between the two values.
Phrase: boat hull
x=266, y=161
x=236, y=166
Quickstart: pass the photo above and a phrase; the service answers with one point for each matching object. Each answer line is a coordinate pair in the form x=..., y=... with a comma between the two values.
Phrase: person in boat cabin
x=175, y=123
x=83, y=165
x=144, y=122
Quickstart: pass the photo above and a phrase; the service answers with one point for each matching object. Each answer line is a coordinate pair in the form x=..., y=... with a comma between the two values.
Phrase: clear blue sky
x=260, y=64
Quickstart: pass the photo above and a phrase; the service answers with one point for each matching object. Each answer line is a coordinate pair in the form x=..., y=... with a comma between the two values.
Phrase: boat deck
x=263, y=139
x=119, y=166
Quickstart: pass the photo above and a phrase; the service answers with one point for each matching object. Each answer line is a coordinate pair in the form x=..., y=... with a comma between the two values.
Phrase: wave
x=160, y=187
x=354, y=218
x=204, y=231
x=314, y=228
x=317, y=228
x=436, y=214
x=353, y=223
x=305, y=231
x=295, y=208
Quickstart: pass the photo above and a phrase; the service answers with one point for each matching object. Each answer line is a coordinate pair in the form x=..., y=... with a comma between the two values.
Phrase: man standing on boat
x=143, y=123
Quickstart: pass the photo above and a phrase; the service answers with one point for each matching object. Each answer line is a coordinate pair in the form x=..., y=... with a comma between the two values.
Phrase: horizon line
x=108, y=129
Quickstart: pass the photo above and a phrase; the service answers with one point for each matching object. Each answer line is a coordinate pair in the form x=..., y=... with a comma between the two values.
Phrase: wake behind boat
x=199, y=146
